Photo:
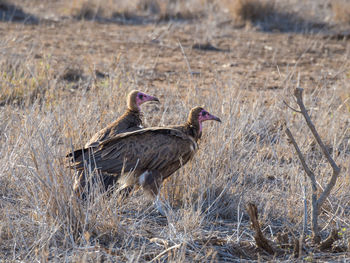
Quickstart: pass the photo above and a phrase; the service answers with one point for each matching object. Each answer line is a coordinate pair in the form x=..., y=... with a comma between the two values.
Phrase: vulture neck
x=135, y=112
x=194, y=129
x=134, y=108
x=132, y=105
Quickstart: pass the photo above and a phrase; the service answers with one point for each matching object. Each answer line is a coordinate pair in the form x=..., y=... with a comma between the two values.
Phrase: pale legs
x=151, y=182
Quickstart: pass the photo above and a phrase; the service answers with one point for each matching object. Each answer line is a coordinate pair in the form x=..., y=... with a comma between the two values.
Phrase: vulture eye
x=204, y=113
x=141, y=96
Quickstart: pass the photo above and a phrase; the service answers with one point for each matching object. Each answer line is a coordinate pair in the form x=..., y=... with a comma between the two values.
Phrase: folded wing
x=162, y=149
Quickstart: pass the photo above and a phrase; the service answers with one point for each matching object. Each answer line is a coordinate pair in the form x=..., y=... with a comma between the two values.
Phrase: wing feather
x=126, y=123
x=161, y=149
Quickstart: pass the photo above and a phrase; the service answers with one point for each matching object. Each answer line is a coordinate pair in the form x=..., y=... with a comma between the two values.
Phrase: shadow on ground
x=285, y=22
x=13, y=13
x=142, y=17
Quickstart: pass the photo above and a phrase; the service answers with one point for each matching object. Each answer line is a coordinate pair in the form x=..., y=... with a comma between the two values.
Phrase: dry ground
x=62, y=78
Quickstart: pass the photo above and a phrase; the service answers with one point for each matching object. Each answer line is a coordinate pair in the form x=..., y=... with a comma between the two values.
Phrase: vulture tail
x=76, y=154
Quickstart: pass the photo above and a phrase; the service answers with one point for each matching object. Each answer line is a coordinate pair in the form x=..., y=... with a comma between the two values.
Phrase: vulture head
x=136, y=98
x=197, y=116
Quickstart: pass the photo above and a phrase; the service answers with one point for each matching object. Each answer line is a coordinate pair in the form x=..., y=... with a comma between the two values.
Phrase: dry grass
x=341, y=11
x=53, y=97
x=275, y=16
x=250, y=10
x=133, y=11
x=88, y=10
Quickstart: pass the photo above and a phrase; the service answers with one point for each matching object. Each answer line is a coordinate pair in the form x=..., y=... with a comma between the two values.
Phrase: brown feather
x=151, y=148
x=129, y=121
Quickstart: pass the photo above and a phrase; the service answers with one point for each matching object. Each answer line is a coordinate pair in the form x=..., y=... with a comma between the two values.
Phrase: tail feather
x=76, y=154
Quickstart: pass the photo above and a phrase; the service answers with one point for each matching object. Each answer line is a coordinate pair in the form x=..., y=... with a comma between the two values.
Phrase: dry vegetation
x=64, y=78
x=251, y=10
x=341, y=10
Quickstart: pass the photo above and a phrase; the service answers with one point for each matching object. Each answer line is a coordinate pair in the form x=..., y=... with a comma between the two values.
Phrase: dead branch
x=316, y=203
x=285, y=103
x=260, y=240
x=311, y=175
x=298, y=93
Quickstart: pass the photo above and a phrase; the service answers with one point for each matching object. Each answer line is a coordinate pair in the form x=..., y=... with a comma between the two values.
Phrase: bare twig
x=165, y=251
x=311, y=175
x=298, y=93
x=295, y=110
x=305, y=211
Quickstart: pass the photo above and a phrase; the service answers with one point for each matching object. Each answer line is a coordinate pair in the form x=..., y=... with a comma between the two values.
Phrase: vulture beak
x=214, y=118
x=151, y=98
x=155, y=99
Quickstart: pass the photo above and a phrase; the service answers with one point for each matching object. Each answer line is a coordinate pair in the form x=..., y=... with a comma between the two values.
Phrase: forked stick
x=316, y=203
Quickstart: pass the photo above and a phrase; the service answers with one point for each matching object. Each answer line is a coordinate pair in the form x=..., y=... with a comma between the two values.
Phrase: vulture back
x=129, y=121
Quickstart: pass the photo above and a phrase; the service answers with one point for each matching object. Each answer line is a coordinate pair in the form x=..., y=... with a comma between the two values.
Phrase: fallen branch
x=260, y=240
x=316, y=203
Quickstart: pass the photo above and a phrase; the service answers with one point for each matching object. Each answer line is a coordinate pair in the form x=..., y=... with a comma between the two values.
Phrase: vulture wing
x=162, y=149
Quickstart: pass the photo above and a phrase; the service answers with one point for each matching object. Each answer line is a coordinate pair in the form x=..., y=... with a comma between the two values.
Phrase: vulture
x=129, y=121
x=147, y=156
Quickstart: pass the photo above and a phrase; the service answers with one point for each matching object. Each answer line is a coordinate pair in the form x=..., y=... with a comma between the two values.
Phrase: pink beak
x=145, y=98
x=208, y=117
x=212, y=117
x=152, y=98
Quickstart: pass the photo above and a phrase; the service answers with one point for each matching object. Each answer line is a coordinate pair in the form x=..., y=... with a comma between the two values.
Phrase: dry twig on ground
x=260, y=240
x=328, y=242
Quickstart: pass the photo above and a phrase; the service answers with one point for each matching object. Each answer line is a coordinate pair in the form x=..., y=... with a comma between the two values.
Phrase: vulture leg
x=84, y=183
x=159, y=206
x=151, y=182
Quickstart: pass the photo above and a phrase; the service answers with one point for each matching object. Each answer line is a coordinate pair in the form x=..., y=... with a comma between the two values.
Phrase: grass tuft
x=251, y=10
x=341, y=11
x=88, y=10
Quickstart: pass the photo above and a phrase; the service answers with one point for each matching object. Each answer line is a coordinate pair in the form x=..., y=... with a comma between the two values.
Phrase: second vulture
x=145, y=157
x=129, y=121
